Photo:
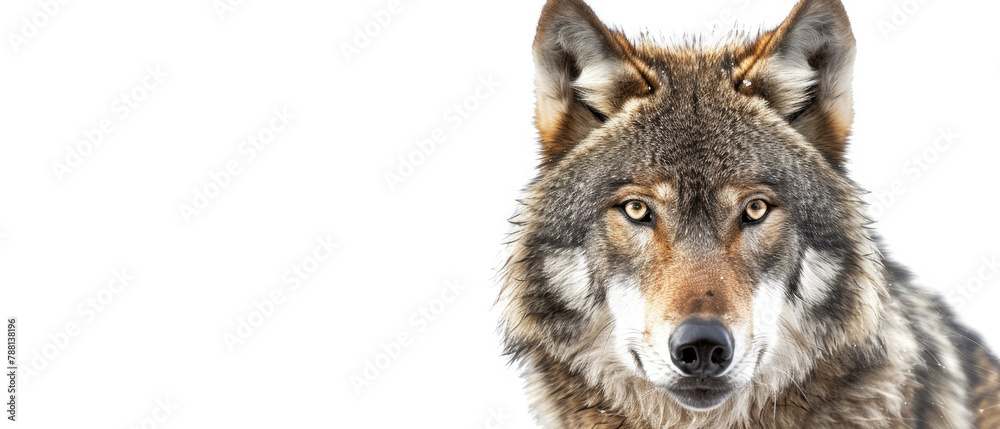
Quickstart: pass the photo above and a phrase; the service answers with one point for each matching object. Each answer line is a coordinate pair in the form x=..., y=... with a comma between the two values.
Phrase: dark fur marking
x=597, y=114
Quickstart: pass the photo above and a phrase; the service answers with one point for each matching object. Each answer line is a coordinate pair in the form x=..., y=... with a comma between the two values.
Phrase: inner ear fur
x=804, y=70
x=584, y=74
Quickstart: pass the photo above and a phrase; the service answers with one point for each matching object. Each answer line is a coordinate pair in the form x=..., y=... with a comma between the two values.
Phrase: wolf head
x=691, y=231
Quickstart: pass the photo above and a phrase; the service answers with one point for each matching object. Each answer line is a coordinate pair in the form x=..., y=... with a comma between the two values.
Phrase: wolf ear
x=584, y=73
x=803, y=69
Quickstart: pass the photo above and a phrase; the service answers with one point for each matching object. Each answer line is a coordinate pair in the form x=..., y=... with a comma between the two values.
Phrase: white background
x=161, y=337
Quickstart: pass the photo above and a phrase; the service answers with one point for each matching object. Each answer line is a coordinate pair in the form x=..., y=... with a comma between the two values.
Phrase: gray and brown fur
x=830, y=332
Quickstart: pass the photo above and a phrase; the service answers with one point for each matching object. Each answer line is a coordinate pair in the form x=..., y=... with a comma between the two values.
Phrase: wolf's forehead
x=678, y=190
x=694, y=155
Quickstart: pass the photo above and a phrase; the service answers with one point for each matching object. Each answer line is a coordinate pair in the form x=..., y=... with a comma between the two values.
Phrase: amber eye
x=755, y=211
x=637, y=211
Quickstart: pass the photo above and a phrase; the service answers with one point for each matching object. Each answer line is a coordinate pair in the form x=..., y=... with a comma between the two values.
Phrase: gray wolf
x=693, y=254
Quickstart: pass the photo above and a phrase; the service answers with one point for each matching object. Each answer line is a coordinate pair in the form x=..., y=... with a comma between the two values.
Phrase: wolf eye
x=755, y=211
x=637, y=211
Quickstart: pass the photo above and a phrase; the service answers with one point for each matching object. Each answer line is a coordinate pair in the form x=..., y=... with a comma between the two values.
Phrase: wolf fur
x=827, y=331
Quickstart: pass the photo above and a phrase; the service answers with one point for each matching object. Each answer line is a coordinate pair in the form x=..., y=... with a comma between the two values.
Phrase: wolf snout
x=701, y=348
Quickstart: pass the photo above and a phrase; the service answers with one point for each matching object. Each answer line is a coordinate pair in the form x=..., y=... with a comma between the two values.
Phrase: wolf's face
x=695, y=228
x=691, y=201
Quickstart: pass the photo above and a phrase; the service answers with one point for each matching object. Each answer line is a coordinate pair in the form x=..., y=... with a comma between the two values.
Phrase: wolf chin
x=692, y=253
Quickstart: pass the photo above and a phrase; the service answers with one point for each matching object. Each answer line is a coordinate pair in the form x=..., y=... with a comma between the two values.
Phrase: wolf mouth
x=701, y=394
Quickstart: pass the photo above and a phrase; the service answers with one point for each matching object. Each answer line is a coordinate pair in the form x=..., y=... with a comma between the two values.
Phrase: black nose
x=701, y=347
